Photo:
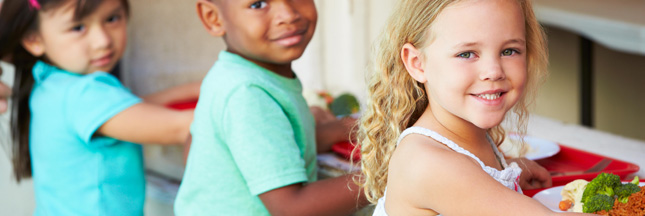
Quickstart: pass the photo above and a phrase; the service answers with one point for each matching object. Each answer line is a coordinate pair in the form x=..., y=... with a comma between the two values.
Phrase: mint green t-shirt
x=252, y=133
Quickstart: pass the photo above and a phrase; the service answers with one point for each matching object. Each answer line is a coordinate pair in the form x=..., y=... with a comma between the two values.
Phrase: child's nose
x=492, y=70
x=286, y=13
x=100, y=38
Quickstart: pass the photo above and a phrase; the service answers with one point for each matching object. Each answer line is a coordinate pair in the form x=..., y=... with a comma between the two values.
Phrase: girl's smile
x=490, y=98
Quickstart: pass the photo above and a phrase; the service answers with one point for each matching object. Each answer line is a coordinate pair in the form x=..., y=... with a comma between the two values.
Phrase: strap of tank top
x=436, y=136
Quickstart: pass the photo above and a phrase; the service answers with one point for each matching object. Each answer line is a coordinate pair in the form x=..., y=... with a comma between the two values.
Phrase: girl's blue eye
x=465, y=55
x=508, y=52
x=258, y=5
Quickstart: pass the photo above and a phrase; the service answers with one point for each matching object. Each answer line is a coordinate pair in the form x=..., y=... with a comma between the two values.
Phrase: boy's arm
x=329, y=129
x=5, y=92
x=187, y=144
x=184, y=92
x=334, y=196
x=332, y=132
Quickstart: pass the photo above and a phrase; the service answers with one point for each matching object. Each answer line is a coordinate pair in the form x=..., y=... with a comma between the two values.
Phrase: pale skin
x=96, y=43
x=272, y=34
x=468, y=60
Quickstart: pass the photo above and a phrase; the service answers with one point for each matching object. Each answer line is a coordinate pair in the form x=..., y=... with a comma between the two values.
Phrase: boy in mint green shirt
x=253, y=137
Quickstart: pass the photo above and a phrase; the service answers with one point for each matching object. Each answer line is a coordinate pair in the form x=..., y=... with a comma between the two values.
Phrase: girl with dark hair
x=73, y=123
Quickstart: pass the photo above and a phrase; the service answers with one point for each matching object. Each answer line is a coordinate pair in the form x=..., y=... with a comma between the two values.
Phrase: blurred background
x=168, y=46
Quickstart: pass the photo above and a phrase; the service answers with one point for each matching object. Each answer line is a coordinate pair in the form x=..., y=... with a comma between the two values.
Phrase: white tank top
x=508, y=177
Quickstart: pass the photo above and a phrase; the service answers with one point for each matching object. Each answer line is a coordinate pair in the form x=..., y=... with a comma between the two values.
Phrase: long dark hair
x=18, y=19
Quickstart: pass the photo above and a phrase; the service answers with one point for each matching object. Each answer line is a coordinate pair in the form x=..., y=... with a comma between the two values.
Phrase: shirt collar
x=42, y=70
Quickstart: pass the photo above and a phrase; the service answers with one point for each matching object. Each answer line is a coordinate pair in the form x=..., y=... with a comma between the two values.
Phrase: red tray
x=346, y=149
x=183, y=105
x=570, y=159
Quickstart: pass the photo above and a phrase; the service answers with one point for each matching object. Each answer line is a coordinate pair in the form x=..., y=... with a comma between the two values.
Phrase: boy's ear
x=209, y=14
x=33, y=43
x=413, y=62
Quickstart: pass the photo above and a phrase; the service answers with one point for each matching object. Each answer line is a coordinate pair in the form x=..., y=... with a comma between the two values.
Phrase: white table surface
x=618, y=24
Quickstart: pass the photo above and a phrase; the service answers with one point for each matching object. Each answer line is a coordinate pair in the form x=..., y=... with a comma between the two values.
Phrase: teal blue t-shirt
x=252, y=133
x=74, y=171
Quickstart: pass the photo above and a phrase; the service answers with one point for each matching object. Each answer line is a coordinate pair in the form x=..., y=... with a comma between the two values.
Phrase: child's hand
x=321, y=115
x=187, y=147
x=330, y=130
x=533, y=175
x=5, y=92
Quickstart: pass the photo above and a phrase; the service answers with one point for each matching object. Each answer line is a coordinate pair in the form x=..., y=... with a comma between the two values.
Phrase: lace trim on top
x=508, y=177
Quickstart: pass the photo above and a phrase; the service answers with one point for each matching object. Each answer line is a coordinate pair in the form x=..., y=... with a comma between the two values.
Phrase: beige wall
x=619, y=85
x=167, y=45
x=559, y=97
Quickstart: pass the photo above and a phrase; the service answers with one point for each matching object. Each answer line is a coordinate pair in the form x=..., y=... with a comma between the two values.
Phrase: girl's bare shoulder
x=418, y=152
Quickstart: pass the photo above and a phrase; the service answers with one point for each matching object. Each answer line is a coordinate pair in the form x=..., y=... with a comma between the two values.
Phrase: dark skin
x=334, y=196
x=331, y=130
x=5, y=91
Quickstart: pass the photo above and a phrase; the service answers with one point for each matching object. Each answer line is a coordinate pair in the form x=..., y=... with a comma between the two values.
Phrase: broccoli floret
x=603, y=184
x=598, y=202
x=625, y=190
x=635, y=181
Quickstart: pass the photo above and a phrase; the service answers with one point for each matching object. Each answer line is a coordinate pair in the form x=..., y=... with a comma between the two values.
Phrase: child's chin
x=286, y=59
x=488, y=123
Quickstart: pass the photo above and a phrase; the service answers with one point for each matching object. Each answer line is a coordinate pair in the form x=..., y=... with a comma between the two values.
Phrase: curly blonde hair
x=396, y=100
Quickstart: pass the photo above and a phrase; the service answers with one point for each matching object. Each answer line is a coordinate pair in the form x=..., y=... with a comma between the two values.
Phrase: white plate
x=551, y=197
x=540, y=148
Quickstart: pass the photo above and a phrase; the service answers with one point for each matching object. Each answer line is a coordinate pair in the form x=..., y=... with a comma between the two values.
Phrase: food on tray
x=572, y=195
x=345, y=104
x=513, y=148
x=605, y=195
x=320, y=99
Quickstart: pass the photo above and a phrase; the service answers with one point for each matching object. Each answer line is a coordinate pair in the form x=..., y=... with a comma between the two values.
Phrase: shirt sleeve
x=261, y=140
x=93, y=100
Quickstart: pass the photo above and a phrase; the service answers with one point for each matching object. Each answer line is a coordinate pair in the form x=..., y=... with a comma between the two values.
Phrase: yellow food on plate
x=572, y=193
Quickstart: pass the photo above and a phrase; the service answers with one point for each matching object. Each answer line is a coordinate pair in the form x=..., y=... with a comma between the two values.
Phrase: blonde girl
x=72, y=122
x=445, y=75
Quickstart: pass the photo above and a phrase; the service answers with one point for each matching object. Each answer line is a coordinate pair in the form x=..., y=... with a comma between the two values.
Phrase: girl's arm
x=184, y=92
x=425, y=175
x=334, y=196
x=533, y=175
x=147, y=123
